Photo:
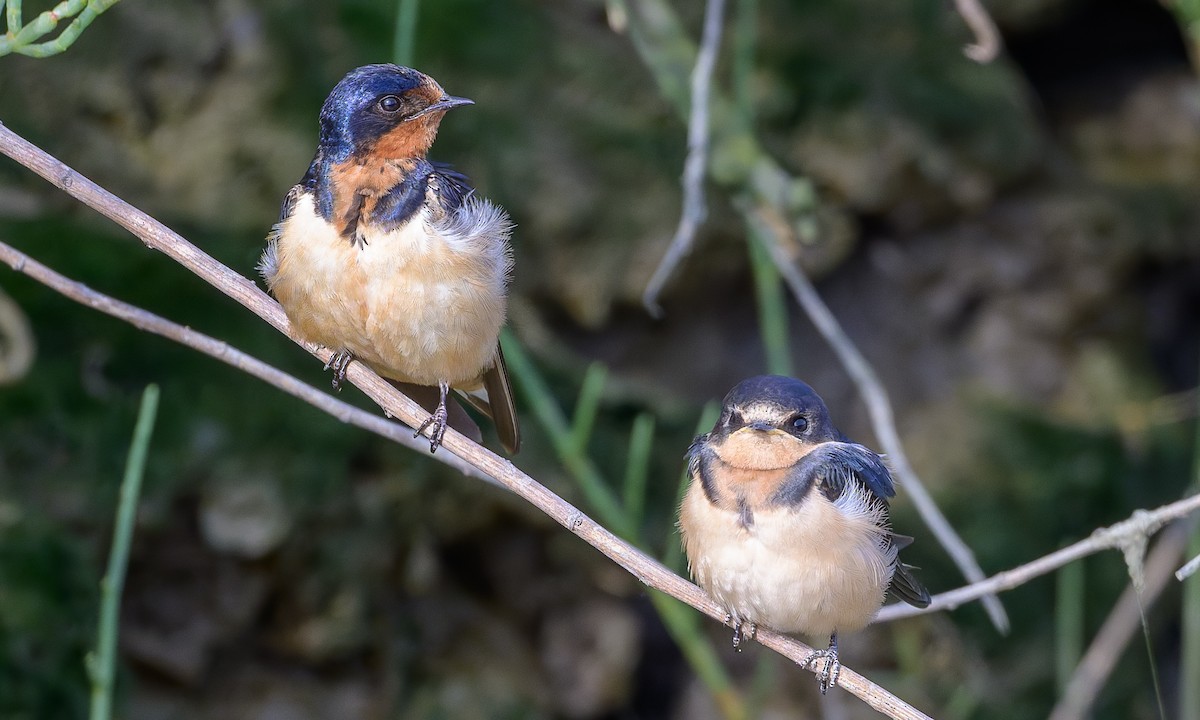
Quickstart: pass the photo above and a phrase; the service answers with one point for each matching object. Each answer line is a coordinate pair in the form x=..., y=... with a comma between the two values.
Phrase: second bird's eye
x=800, y=423
x=389, y=103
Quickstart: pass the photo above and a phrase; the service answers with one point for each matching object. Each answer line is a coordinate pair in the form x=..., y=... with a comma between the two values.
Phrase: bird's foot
x=833, y=666
x=437, y=422
x=338, y=362
x=739, y=637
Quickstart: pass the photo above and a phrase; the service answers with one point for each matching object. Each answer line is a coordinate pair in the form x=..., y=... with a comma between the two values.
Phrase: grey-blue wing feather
x=453, y=186
x=830, y=466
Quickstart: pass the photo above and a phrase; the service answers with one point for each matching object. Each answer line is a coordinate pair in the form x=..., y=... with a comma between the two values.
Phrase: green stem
x=772, y=305
x=20, y=39
x=405, y=41
x=587, y=406
x=550, y=417
x=745, y=40
x=637, y=468
x=14, y=16
x=1069, y=622
x=101, y=663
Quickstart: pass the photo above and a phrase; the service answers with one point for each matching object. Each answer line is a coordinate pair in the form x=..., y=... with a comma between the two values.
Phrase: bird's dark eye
x=733, y=418
x=800, y=423
x=389, y=103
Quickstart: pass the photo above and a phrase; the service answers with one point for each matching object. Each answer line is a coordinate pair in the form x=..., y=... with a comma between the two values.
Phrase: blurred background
x=1014, y=246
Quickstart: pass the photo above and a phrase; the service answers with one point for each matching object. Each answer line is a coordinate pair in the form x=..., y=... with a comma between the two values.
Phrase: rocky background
x=1014, y=246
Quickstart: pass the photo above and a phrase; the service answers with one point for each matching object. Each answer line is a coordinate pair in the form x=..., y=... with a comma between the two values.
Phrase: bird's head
x=387, y=111
x=770, y=422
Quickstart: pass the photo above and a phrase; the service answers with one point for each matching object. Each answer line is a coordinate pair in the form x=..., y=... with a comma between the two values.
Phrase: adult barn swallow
x=785, y=520
x=389, y=259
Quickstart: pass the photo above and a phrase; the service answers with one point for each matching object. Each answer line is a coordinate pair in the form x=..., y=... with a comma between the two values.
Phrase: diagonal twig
x=151, y=323
x=694, y=209
x=643, y=567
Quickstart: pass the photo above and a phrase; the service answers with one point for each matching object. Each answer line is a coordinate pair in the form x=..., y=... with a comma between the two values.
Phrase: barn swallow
x=393, y=260
x=785, y=520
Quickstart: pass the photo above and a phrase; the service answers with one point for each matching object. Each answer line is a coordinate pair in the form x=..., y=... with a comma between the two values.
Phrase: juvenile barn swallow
x=390, y=259
x=785, y=521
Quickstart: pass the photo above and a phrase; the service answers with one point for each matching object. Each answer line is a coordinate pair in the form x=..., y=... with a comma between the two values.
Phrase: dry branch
x=694, y=209
x=1140, y=525
x=1101, y=657
x=646, y=569
x=987, y=39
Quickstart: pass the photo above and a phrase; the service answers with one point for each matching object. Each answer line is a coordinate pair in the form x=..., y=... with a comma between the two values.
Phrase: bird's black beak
x=447, y=102
x=760, y=426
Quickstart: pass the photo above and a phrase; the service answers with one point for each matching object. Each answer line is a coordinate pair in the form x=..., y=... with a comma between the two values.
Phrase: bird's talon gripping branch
x=338, y=362
x=436, y=423
x=739, y=637
x=833, y=666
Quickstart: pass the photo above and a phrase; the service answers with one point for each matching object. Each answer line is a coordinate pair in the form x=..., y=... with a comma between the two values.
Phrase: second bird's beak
x=760, y=427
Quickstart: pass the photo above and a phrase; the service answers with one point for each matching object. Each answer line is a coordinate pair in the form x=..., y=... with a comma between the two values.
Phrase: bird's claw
x=338, y=362
x=436, y=424
x=738, y=636
x=831, y=671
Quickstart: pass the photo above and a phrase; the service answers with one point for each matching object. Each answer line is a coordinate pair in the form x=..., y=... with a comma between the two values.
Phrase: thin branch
x=1139, y=526
x=643, y=567
x=987, y=39
x=694, y=209
x=774, y=230
x=151, y=323
x=1188, y=569
x=1101, y=657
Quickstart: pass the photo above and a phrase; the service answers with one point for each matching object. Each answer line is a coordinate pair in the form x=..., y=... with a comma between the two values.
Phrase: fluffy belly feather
x=805, y=570
x=412, y=304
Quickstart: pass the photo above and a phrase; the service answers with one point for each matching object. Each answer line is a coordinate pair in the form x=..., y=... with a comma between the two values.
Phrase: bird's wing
x=289, y=202
x=907, y=587
x=453, y=186
x=497, y=404
x=832, y=466
x=268, y=263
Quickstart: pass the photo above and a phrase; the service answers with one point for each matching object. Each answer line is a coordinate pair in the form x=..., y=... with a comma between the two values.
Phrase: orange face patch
x=756, y=450
x=411, y=138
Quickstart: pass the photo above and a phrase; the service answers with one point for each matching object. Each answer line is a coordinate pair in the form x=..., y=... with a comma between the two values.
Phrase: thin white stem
x=694, y=208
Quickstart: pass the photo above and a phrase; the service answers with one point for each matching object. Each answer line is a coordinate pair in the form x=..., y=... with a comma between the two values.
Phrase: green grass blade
x=772, y=305
x=404, y=43
x=637, y=468
x=551, y=418
x=102, y=662
x=587, y=406
x=1069, y=623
